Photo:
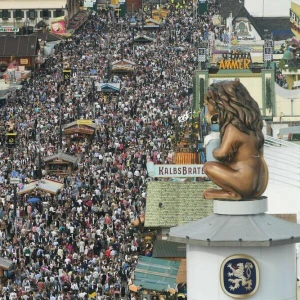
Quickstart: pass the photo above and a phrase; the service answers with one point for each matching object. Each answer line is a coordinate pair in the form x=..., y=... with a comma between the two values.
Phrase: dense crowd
x=82, y=244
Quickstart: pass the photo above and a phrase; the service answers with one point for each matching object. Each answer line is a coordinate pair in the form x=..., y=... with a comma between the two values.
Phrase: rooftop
x=18, y=45
x=155, y=274
x=166, y=249
x=63, y=156
x=260, y=230
x=181, y=202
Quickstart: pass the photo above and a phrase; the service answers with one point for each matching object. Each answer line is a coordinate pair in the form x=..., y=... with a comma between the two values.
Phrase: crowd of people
x=83, y=244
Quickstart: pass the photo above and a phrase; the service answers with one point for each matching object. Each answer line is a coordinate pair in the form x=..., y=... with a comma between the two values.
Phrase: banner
x=11, y=140
x=172, y=171
x=88, y=3
x=67, y=75
x=58, y=26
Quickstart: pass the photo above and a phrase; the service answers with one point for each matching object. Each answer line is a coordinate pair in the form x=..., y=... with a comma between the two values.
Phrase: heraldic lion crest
x=241, y=275
x=241, y=171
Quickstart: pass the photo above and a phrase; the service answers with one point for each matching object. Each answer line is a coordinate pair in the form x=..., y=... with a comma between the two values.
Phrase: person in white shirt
x=13, y=295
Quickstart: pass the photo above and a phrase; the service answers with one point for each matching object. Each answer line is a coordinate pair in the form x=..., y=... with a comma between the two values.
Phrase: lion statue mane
x=240, y=155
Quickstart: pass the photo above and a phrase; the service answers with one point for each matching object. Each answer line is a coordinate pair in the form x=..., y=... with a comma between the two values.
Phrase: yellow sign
x=11, y=140
x=24, y=61
x=235, y=64
x=235, y=60
x=84, y=122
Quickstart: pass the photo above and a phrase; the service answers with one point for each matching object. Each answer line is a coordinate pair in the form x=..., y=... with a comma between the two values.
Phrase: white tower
x=240, y=252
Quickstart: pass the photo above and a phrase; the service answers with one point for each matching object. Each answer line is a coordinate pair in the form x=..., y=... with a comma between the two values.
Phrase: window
x=45, y=13
x=18, y=14
x=31, y=14
x=58, y=13
x=5, y=14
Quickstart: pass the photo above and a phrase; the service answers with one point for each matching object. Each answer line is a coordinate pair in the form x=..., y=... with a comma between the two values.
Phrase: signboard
x=67, y=74
x=235, y=60
x=9, y=29
x=268, y=53
x=11, y=140
x=268, y=50
x=202, y=6
x=14, y=174
x=172, y=171
x=202, y=55
x=24, y=61
x=88, y=3
x=84, y=122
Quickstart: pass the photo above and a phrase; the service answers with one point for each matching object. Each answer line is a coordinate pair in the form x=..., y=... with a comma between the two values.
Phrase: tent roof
x=156, y=274
x=123, y=62
x=110, y=86
x=5, y=263
x=144, y=39
x=166, y=249
x=18, y=45
x=74, y=123
x=63, y=156
x=46, y=185
x=47, y=36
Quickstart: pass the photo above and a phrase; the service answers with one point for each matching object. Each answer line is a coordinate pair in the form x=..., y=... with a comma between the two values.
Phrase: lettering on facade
x=174, y=170
x=235, y=60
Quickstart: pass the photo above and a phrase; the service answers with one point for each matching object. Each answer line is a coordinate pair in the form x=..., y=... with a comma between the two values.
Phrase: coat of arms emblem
x=239, y=276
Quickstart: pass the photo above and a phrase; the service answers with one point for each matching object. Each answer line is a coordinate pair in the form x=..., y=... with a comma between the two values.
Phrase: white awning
x=32, y=4
x=46, y=185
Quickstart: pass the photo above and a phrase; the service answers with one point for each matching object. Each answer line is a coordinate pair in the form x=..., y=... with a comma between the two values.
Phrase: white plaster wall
x=277, y=272
x=284, y=106
x=268, y=8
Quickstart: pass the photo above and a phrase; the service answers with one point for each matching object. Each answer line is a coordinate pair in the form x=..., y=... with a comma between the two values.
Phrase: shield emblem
x=239, y=276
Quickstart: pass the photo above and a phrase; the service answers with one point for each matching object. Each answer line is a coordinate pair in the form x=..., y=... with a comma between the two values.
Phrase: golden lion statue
x=241, y=171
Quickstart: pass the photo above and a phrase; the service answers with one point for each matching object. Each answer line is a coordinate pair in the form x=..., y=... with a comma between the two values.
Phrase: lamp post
x=14, y=180
x=60, y=97
x=39, y=162
x=107, y=10
x=93, y=98
x=132, y=26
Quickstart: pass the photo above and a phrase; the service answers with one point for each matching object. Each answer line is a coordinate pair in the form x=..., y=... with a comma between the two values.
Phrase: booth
x=44, y=185
x=79, y=131
x=5, y=265
x=60, y=163
x=123, y=66
x=152, y=24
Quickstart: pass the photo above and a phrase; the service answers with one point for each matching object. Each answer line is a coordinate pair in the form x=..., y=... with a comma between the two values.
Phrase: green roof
x=155, y=274
x=166, y=249
x=181, y=202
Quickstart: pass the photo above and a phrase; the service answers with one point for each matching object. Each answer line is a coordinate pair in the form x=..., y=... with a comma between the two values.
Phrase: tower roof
x=260, y=230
